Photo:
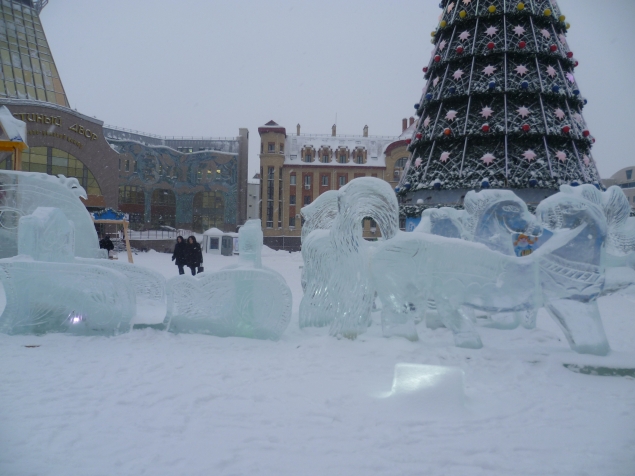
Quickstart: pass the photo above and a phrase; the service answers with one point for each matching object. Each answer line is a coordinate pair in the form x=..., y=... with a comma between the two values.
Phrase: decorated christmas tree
x=501, y=107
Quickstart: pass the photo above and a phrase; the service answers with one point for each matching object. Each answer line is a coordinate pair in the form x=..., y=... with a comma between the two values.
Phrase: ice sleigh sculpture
x=245, y=300
x=49, y=290
x=565, y=275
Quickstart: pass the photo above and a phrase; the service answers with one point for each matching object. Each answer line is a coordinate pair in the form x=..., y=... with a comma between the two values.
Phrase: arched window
x=52, y=161
x=399, y=166
x=209, y=211
x=132, y=201
x=163, y=208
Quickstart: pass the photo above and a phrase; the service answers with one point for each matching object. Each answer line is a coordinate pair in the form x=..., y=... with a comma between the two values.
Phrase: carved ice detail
x=22, y=192
x=48, y=290
x=245, y=300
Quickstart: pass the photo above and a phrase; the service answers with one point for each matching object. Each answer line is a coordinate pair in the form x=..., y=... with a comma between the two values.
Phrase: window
x=119, y=164
x=308, y=157
x=342, y=180
x=271, y=147
x=342, y=158
x=292, y=221
x=359, y=159
x=271, y=174
x=325, y=180
x=325, y=158
x=307, y=200
x=292, y=200
x=134, y=166
x=399, y=166
x=213, y=243
x=307, y=182
x=629, y=174
x=127, y=165
x=281, y=147
x=292, y=179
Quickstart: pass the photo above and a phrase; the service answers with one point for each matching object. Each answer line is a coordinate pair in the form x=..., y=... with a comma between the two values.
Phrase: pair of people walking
x=188, y=253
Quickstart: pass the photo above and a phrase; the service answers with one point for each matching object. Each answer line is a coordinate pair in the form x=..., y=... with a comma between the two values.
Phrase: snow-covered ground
x=154, y=403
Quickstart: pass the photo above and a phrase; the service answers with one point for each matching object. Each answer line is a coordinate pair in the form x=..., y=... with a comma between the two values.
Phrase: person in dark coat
x=106, y=244
x=179, y=253
x=193, y=254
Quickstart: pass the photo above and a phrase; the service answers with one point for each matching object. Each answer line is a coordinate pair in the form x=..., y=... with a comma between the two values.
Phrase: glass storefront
x=52, y=161
x=209, y=211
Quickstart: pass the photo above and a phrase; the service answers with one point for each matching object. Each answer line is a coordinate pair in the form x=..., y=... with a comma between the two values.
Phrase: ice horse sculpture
x=316, y=306
x=22, y=192
x=244, y=300
x=565, y=275
x=48, y=290
x=620, y=242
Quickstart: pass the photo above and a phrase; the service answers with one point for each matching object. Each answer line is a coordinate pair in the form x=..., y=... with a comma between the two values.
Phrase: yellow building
x=295, y=169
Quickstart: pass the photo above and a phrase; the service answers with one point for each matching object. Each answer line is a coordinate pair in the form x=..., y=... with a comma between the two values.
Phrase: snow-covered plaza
x=155, y=403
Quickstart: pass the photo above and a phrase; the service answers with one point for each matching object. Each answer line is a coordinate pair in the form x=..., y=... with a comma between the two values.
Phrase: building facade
x=191, y=183
x=253, y=198
x=624, y=178
x=295, y=169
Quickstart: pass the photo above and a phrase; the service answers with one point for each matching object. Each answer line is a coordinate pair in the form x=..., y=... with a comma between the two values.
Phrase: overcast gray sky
x=208, y=67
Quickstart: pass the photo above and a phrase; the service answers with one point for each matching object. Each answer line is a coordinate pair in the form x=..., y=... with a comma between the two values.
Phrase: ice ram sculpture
x=316, y=306
x=244, y=300
x=49, y=290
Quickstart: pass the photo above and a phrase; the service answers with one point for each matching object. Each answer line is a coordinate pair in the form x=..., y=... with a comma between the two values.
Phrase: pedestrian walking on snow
x=193, y=255
x=178, y=256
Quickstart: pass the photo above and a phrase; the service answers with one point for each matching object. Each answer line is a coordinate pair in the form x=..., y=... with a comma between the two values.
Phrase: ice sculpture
x=245, y=300
x=315, y=307
x=22, y=192
x=492, y=218
x=444, y=221
x=351, y=290
x=564, y=275
x=620, y=240
x=48, y=290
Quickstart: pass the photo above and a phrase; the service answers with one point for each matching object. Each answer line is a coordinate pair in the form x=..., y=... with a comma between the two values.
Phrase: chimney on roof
x=404, y=124
x=365, y=131
x=412, y=120
x=333, y=130
x=298, y=126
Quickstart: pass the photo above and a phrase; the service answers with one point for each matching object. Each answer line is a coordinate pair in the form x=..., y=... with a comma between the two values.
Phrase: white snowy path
x=153, y=403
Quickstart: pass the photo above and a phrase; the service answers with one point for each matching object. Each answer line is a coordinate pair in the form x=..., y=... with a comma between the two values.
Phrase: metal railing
x=155, y=136
x=158, y=234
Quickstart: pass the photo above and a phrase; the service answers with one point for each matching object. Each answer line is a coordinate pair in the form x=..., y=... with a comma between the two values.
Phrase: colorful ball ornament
x=428, y=96
x=526, y=127
x=447, y=131
x=433, y=33
x=443, y=24
x=462, y=13
x=567, y=25
x=555, y=88
x=562, y=18
x=520, y=6
x=425, y=69
x=566, y=129
x=553, y=48
x=576, y=92
x=417, y=106
x=524, y=85
x=522, y=44
x=437, y=58
x=569, y=54
x=485, y=128
x=459, y=50
x=491, y=45
x=492, y=9
x=408, y=141
x=419, y=135
x=547, y=12
x=575, y=64
x=452, y=90
x=492, y=84
x=586, y=133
